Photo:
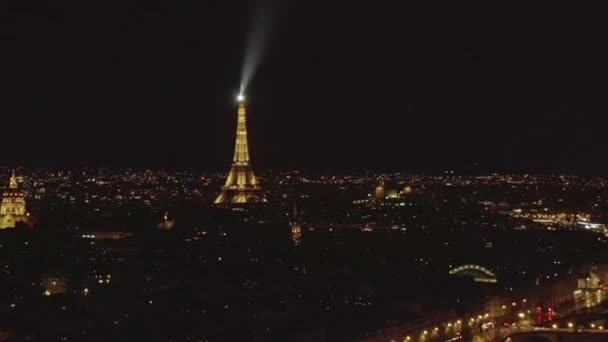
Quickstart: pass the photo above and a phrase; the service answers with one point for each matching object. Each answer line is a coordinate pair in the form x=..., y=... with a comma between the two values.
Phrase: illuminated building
x=105, y=235
x=12, y=207
x=168, y=223
x=53, y=285
x=296, y=227
x=296, y=232
x=242, y=186
x=589, y=281
x=392, y=194
x=380, y=192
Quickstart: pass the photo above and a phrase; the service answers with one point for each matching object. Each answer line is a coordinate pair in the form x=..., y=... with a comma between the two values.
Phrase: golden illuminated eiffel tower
x=241, y=186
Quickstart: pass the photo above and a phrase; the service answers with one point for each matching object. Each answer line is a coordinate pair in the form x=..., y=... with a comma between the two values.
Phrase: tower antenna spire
x=13, y=181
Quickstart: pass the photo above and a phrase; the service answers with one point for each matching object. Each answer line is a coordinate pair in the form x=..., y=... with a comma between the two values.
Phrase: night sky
x=344, y=85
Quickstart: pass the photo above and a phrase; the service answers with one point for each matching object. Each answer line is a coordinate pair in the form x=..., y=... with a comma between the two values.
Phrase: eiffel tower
x=242, y=186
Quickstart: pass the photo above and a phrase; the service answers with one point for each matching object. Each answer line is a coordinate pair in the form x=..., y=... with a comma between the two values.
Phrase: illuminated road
x=558, y=334
x=499, y=317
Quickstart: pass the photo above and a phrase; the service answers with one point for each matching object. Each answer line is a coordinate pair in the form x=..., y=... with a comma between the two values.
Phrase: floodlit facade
x=380, y=192
x=242, y=186
x=167, y=223
x=296, y=227
x=12, y=207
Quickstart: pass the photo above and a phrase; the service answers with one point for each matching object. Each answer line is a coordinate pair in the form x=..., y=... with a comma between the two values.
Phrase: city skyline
x=276, y=170
x=404, y=87
x=432, y=255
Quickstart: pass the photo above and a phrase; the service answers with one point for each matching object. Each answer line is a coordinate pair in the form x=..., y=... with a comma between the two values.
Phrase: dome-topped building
x=380, y=191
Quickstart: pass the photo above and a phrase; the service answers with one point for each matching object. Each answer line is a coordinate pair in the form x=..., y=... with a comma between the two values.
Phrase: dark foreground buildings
x=97, y=267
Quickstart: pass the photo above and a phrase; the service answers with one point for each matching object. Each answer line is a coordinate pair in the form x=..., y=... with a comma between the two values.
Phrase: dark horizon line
x=329, y=171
